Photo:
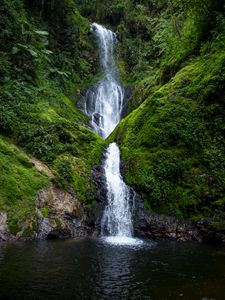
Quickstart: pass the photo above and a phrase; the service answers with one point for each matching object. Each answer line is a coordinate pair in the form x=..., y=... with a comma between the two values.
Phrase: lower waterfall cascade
x=117, y=217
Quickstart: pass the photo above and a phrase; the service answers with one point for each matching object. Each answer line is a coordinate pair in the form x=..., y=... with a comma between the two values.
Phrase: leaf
x=56, y=71
x=41, y=32
x=28, y=49
x=32, y=53
x=22, y=46
x=45, y=51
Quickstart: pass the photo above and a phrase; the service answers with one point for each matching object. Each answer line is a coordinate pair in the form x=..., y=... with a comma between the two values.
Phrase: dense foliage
x=46, y=54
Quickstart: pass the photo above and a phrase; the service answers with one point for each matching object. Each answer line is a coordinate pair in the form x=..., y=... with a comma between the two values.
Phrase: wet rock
x=96, y=211
x=127, y=97
x=4, y=231
x=100, y=183
x=151, y=225
x=97, y=118
x=61, y=234
x=212, y=229
x=44, y=227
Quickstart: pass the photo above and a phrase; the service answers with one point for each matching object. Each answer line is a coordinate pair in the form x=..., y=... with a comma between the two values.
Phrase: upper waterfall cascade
x=104, y=102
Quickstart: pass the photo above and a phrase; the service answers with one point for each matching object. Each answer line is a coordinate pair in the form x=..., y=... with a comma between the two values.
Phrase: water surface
x=94, y=269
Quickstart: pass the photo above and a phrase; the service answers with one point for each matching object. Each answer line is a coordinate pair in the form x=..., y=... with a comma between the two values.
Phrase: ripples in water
x=96, y=269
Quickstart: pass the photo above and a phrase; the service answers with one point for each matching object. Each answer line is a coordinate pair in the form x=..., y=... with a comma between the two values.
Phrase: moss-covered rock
x=19, y=184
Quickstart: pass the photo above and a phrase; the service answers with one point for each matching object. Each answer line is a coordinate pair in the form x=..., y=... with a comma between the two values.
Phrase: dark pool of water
x=91, y=269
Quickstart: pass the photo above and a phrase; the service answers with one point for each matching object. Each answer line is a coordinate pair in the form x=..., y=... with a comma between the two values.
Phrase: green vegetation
x=74, y=172
x=44, y=211
x=37, y=73
x=46, y=54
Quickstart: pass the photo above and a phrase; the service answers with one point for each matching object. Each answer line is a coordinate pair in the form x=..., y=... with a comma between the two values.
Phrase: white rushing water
x=105, y=101
x=104, y=104
x=117, y=217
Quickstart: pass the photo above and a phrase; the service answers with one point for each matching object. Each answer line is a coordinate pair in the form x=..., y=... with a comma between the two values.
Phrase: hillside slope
x=46, y=55
x=173, y=143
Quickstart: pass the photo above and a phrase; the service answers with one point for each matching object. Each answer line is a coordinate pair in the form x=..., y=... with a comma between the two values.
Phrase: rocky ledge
x=151, y=225
x=4, y=230
x=60, y=215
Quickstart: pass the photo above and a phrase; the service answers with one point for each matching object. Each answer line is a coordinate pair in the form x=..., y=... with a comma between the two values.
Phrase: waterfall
x=104, y=104
x=116, y=219
x=116, y=224
x=105, y=101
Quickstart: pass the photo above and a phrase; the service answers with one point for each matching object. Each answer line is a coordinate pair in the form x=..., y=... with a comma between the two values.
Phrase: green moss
x=172, y=145
x=44, y=211
x=75, y=172
x=19, y=183
x=216, y=224
x=58, y=223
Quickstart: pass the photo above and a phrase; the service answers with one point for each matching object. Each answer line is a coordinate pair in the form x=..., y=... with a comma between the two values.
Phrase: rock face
x=60, y=215
x=40, y=166
x=127, y=97
x=96, y=211
x=4, y=231
x=150, y=225
x=213, y=229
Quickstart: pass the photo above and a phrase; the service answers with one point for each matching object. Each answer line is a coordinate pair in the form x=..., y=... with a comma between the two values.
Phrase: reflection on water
x=93, y=269
x=116, y=269
x=115, y=273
